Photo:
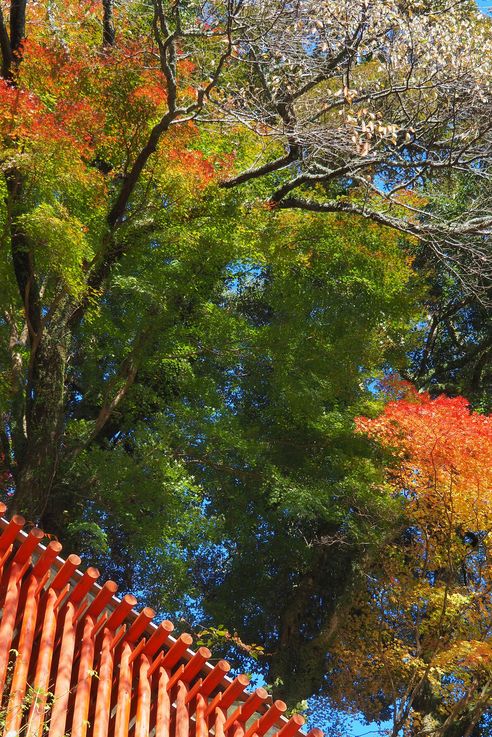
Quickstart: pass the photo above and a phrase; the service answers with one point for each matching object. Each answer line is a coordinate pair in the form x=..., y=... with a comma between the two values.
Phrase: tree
x=153, y=313
x=124, y=335
x=455, y=355
x=360, y=102
x=273, y=444
x=419, y=639
x=109, y=107
x=80, y=124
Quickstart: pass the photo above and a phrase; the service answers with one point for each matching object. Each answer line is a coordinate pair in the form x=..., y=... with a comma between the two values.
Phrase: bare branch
x=378, y=102
x=268, y=168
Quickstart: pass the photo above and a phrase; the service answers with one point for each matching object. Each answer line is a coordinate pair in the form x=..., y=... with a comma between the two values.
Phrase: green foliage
x=197, y=361
x=257, y=337
x=59, y=244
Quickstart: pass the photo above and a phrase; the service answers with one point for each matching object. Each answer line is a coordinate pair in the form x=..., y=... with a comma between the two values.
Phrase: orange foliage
x=423, y=621
x=100, y=104
x=443, y=458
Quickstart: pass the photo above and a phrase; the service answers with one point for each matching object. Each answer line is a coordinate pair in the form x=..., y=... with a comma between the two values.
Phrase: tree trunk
x=17, y=24
x=308, y=625
x=108, y=24
x=37, y=467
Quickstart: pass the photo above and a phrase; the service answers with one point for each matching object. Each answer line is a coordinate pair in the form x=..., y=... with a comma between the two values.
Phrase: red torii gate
x=75, y=659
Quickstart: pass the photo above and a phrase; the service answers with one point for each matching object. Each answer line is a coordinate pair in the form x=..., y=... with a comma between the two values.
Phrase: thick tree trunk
x=17, y=23
x=37, y=467
x=297, y=667
x=308, y=625
x=40, y=387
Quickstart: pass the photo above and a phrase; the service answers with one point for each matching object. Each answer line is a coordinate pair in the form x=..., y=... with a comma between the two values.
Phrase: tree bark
x=37, y=466
x=109, y=33
x=17, y=26
x=35, y=435
x=5, y=49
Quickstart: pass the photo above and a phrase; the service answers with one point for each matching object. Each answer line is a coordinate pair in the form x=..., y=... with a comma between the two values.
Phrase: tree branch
x=125, y=377
x=353, y=209
x=253, y=173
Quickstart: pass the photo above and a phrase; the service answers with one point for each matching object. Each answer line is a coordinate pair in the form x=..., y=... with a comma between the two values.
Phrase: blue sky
x=358, y=729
